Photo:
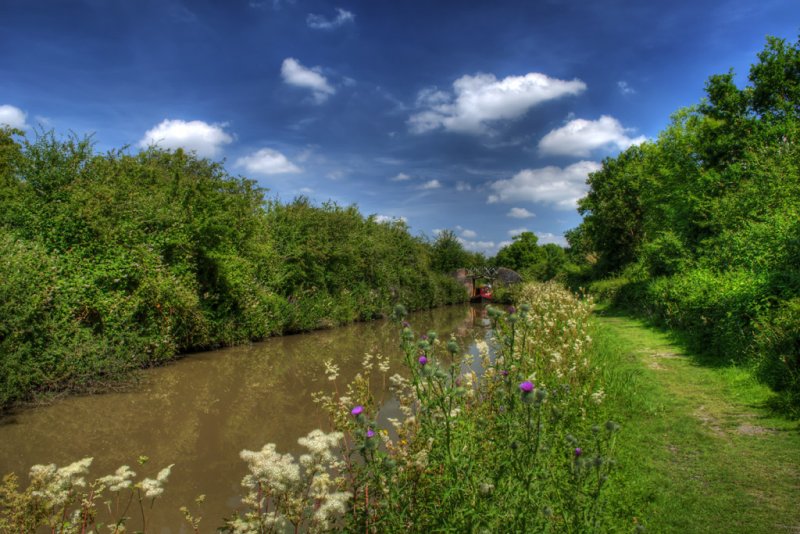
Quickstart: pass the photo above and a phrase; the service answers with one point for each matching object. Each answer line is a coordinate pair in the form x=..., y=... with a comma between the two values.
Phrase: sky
x=484, y=118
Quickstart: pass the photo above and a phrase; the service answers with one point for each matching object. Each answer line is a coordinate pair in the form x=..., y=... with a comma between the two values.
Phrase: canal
x=200, y=411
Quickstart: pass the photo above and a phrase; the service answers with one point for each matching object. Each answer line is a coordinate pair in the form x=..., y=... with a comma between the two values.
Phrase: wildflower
x=423, y=360
x=331, y=370
x=504, y=372
x=452, y=346
x=578, y=452
x=358, y=410
x=512, y=310
x=370, y=433
x=120, y=480
x=526, y=387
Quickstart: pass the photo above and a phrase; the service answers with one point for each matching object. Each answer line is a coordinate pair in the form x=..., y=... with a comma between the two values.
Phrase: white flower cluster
x=277, y=471
x=321, y=446
x=155, y=487
x=331, y=370
x=293, y=487
x=54, y=484
x=120, y=480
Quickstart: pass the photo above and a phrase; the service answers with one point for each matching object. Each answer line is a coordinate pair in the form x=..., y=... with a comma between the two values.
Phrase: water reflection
x=198, y=413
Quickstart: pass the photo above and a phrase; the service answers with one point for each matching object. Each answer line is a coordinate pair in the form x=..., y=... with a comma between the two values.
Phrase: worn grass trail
x=697, y=450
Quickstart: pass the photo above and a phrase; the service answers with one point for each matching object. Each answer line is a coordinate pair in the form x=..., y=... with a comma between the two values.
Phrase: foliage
x=61, y=499
x=115, y=261
x=448, y=253
x=512, y=449
x=709, y=211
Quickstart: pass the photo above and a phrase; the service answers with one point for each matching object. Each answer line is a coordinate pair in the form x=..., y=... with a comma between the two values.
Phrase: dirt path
x=698, y=451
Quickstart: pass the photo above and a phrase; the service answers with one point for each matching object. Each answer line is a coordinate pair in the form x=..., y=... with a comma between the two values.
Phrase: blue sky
x=480, y=117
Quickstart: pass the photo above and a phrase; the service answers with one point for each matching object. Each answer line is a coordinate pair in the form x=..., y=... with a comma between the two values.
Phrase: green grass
x=698, y=452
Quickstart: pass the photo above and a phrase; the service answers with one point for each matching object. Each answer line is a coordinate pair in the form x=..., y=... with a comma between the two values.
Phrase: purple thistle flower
x=370, y=433
x=424, y=337
x=406, y=324
x=526, y=387
x=512, y=309
x=578, y=451
x=422, y=360
x=358, y=410
x=504, y=372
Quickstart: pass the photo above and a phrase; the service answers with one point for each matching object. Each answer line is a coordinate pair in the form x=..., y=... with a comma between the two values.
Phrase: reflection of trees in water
x=201, y=411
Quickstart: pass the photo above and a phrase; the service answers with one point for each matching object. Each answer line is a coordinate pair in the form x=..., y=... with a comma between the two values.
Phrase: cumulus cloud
x=549, y=185
x=466, y=233
x=400, y=177
x=480, y=99
x=520, y=213
x=267, y=161
x=319, y=22
x=13, y=117
x=517, y=231
x=431, y=184
x=389, y=219
x=198, y=136
x=579, y=137
x=295, y=74
x=547, y=237
x=477, y=246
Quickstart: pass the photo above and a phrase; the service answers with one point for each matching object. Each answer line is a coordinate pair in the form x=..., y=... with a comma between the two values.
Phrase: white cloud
x=431, y=184
x=335, y=175
x=517, y=231
x=480, y=99
x=13, y=117
x=548, y=185
x=306, y=190
x=205, y=139
x=478, y=246
x=625, y=89
x=401, y=177
x=463, y=186
x=296, y=74
x=579, y=137
x=267, y=161
x=547, y=237
x=389, y=219
x=469, y=234
x=319, y=22
x=520, y=213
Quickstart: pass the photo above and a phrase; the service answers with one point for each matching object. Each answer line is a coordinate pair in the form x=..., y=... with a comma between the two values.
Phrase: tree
x=522, y=254
x=448, y=253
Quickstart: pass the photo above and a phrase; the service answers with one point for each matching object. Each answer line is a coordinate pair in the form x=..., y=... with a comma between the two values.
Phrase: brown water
x=199, y=412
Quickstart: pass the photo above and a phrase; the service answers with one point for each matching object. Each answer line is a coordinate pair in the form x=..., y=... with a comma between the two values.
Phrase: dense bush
x=116, y=261
x=707, y=218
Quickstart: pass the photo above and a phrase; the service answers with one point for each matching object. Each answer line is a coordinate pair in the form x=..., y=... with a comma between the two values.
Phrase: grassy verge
x=698, y=452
